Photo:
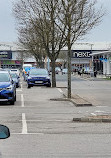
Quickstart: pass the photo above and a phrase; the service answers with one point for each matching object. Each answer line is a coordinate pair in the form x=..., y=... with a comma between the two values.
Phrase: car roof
x=4, y=71
x=14, y=69
x=39, y=69
x=13, y=72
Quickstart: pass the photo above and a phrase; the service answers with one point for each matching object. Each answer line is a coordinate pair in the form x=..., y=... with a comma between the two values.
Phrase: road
x=41, y=128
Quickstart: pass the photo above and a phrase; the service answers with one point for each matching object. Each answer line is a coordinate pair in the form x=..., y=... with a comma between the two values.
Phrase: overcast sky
x=8, y=33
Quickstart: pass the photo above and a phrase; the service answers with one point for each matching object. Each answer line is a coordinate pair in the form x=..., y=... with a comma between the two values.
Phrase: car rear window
x=13, y=70
x=4, y=77
x=38, y=72
x=13, y=75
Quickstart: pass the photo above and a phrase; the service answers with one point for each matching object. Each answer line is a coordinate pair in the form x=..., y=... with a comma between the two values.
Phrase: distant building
x=88, y=55
x=11, y=56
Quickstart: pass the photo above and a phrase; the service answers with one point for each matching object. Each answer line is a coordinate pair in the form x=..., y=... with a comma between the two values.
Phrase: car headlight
x=29, y=77
x=9, y=88
x=47, y=77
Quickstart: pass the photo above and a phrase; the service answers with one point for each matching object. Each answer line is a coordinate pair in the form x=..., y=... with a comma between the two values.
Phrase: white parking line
x=19, y=90
x=28, y=133
x=99, y=111
x=21, y=86
x=24, y=124
x=22, y=100
x=60, y=90
x=93, y=114
x=101, y=106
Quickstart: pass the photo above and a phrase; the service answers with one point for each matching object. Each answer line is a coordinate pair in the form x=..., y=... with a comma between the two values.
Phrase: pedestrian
x=95, y=73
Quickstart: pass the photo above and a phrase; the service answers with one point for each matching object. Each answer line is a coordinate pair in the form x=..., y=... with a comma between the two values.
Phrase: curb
x=92, y=120
x=78, y=101
x=60, y=99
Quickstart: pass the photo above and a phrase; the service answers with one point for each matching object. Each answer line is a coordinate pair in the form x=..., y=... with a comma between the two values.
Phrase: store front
x=10, y=64
x=102, y=62
x=80, y=59
x=7, y=61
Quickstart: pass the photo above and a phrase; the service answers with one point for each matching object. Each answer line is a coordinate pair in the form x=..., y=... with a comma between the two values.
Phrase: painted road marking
x=93, y=114
x=24, y=124
x=19, y=90
x=21, y=86
x=99, y=111
x=60, y=90
x=22, y=100
x=101, y=106
x=28, y=133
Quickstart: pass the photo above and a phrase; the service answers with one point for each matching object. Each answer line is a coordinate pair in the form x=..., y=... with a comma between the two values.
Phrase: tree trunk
x=53, y=73
x=69, y=71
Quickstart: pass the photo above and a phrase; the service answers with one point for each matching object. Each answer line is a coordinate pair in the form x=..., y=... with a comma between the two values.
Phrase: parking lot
x=44, y=128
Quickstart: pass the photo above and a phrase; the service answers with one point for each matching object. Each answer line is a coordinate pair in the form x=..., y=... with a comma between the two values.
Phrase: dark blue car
x=38, y=77
x=7, y=88
x=16, y=79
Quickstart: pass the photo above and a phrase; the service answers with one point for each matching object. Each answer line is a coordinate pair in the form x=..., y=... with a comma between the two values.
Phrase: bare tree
x=58, y=23
x=30, y=41
x=80, y=16
x=63, y=57
x=43, y=15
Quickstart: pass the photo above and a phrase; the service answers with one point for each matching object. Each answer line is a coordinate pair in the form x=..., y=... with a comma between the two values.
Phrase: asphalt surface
x=42, y=128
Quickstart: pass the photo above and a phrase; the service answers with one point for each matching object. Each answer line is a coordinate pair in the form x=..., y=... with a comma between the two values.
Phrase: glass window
x=4, y=77
x=14, y=75
x=38, y=72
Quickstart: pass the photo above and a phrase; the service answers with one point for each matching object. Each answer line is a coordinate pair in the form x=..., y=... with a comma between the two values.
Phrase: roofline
x=104, y=52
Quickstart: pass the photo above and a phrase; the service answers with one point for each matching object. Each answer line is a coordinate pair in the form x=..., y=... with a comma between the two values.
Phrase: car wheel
x=17, y=86
x=15, y=98
x=49, y=85
x=12, y=102
x=28, y=86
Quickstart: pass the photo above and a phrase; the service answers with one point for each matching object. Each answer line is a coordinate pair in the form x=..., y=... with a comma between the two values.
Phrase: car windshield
x=65, y=70
x=14, y=70
x=4, y=77
x=57, y=68
x=13, y=75
x=27, y=66
x=38, y=72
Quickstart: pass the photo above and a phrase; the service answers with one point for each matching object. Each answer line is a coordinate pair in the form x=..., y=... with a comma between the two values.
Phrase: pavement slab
x=96, y=118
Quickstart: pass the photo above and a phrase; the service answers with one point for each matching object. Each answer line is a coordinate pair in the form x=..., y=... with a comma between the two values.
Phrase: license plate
x=38, y=81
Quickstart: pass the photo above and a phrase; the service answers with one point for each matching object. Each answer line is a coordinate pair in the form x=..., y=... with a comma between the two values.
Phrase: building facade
x=96, y=56
x=102, y=62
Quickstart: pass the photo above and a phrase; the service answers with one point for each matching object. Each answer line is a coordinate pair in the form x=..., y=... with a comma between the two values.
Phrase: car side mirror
x=4, y=132
x=12, y=82
x=49, y=73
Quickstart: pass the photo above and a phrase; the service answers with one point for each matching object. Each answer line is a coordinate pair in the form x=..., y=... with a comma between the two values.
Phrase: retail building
x=88, y=55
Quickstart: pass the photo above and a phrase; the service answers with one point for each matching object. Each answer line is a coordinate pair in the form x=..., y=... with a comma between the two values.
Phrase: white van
x=26, y=65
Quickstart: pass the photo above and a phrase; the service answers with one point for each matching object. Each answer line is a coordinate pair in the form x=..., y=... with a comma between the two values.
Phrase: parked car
x=7, y=88
x=4, y=132
x=25, y=74
x=64, y=71
x=16, y=79
x=7, y=69
x=38, y=77
x=57, y=70
x=15, y=71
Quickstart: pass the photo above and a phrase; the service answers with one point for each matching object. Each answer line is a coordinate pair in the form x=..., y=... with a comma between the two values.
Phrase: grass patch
x=107, y=78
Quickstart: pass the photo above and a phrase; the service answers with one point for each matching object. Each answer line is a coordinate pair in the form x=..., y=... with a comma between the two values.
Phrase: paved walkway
x=89, y=77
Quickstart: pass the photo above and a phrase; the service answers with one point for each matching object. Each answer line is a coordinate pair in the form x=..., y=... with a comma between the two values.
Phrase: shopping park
x=88, y=55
